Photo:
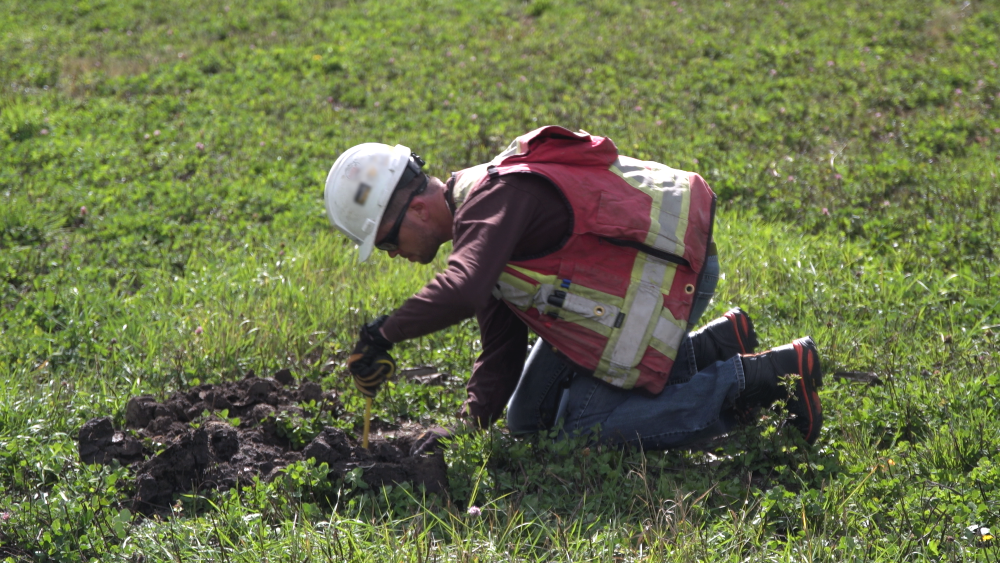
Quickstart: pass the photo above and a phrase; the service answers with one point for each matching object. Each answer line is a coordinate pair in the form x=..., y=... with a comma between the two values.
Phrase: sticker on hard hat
x=352, y=171
x=361, y=196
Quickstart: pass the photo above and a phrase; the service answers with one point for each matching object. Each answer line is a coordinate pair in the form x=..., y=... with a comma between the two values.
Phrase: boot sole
x=746, y=336
x=810, y=420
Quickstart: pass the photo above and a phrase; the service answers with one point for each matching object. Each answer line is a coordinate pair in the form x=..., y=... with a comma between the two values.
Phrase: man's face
x=416, y=242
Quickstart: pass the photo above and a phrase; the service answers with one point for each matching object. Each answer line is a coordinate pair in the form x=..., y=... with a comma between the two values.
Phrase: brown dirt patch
x=174, y=448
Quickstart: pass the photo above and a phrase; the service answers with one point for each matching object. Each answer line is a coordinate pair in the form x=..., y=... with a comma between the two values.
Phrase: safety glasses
x=391, y=240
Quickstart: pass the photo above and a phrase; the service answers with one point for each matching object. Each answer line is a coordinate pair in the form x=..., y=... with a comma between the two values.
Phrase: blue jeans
x=693, y=407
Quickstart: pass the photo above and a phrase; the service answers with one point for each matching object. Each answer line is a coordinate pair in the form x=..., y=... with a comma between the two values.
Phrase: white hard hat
x=358, y=189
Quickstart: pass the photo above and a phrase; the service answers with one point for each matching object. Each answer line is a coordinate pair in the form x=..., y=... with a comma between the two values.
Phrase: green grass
x=853, y=146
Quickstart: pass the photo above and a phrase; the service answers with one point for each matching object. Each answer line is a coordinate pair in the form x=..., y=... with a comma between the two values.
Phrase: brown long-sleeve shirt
x=516, y=216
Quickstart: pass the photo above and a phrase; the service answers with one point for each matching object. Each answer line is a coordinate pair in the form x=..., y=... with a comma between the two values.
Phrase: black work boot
x=723, y=338
x=761, y=374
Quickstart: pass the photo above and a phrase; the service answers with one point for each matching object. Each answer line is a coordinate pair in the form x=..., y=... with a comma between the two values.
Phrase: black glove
x=428, y=441
x=370, y=362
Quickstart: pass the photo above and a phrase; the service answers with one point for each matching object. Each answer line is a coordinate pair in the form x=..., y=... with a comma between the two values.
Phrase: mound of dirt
x=174, y=447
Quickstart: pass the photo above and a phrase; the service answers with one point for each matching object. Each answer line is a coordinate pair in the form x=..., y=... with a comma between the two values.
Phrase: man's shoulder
x=513, y=185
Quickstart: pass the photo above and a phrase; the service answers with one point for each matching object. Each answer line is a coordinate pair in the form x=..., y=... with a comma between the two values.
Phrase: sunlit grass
x=161, y=225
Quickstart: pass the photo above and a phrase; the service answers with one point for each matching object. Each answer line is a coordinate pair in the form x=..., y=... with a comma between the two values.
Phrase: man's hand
x=428, y=441
x=370, y=362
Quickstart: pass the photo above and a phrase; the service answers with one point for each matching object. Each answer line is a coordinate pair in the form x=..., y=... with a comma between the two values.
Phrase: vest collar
x=449, y=194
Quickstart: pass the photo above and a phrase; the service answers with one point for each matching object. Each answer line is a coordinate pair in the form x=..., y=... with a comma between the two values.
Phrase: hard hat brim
x=365, y=248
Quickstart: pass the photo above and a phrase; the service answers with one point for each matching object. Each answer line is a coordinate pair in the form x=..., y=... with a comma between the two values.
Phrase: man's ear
x=420, y=208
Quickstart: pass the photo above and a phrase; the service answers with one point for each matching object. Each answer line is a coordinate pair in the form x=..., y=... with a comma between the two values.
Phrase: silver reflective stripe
x=670, y=208
x=599, y=312
x=629, y=165
x=668, y=333
x=648, y=302
x=521, y=299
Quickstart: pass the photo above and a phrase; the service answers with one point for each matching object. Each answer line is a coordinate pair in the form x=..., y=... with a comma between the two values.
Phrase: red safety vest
x=616, y=298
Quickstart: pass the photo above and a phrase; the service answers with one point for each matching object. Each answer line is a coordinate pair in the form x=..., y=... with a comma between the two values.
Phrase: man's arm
x=516, y=215
x=497, y=370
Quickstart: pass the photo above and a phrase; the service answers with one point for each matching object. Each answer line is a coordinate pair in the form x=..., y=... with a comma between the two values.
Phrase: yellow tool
x=368, y=422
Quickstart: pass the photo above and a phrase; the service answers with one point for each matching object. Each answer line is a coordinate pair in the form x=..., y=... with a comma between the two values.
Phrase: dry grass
x=946, y=21
x=78, y=75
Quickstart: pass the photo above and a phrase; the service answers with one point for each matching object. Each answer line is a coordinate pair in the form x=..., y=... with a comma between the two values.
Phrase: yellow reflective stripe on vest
x=589, y=293
x=515, y=291
x=537, y=277
x=671, y=193
x=519, y=292
x=575, y=289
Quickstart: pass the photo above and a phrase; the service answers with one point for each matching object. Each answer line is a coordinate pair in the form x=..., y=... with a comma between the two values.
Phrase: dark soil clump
x=188, y=443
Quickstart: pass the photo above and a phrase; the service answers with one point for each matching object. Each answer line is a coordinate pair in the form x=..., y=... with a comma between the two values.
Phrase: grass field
x=161, y=225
